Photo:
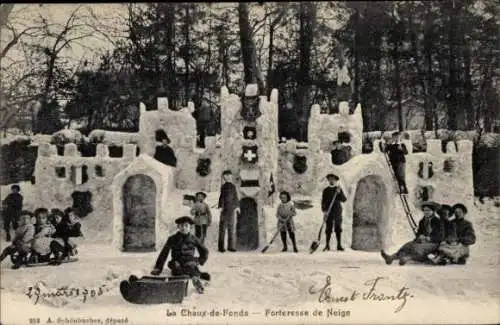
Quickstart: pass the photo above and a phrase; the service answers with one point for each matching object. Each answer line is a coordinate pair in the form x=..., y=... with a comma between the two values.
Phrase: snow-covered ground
x=256, y=282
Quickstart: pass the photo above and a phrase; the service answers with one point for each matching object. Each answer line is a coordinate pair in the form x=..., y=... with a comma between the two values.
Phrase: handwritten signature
x=34, y=292
x=370, y=293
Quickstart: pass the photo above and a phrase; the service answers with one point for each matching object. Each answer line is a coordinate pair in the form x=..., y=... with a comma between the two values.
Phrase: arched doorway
x=247, y=226
x=369, y=208
x=139, y=214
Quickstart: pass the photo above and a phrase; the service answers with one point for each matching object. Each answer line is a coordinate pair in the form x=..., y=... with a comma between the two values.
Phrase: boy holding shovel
x=332, y=211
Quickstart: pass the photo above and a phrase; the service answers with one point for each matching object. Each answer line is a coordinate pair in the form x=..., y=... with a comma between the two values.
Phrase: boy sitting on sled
x=183, y=244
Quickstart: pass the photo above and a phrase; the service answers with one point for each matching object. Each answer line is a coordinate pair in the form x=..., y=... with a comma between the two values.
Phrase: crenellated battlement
x=47, y=150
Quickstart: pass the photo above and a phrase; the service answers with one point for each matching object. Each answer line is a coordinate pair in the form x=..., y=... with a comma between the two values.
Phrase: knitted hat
x=430, y=204
x=184, y=219
x=330, y=176
x=460, y=206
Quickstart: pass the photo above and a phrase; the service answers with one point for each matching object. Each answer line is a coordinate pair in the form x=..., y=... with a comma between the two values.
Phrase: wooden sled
x=51, y=262
x=34, y=260
x=150, y=290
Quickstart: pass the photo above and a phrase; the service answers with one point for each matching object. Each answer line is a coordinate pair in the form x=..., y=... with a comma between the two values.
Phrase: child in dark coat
x=68, y=226
x=396, y=152
x=428, y=237
x=164, y=153
x=21, y=243
x=285, y=213
x=340, y=153
x=459, y=236
x=183, y=245
x=12, y=206
x=202, y=216
x=332, y=210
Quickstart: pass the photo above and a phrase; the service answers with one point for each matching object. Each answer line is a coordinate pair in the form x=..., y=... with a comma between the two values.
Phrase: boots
x=388, y=258
x=8, y=238
x=327, y=245
x=338, y=234
x=198, y=285
x=20, y=261
x=292, y=237
x=4, y=254
x=283, y=239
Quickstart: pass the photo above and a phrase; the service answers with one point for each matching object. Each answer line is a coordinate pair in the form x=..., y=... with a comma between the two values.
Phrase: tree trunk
x=429, y=102
x=451, y=102
x=307, y=17
x=170, y=73
x=357, y=49
x=269, y=77
x=397, y=34
x=186, y=54
x=248, y=50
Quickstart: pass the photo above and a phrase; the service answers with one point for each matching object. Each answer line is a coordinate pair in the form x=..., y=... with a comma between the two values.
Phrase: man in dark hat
x=202, y=216
x=428, y=238
x=396, y=150
x=455, y=248
x=12, y=206
x=183, y=245
x=332, y=210
x=164, y=152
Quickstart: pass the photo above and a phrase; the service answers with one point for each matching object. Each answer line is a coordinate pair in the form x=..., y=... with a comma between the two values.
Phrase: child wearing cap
x=333, y=216
x=455, y=249
x=183, y=245
x=21, y=243
x=12, y=206
x=164, y=153
x=396, y=152
x=229, y=205
x=428, y=237
x=202, y=216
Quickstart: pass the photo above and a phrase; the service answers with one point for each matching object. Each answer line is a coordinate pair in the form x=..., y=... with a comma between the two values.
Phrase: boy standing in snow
x=396, y=152
x=333, y=217
x=228, y=203
x=12, y=206
x=285, y=213
x=183, y=245
x=202, y=216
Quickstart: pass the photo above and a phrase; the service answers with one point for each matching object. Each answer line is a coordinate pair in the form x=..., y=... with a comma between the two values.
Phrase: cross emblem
x=250, y=134
x=249, y=155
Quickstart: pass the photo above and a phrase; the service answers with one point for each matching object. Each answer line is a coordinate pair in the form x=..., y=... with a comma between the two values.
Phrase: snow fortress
x=131, y=195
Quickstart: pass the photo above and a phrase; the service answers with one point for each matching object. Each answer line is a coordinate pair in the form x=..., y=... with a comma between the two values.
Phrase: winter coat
x=202, y=214
x=430, y=227
x=283, y=212
x=465, y=232
x=449, y=230
x=396, y=154
x=66, y=230
x=183, y=248
x=327, y=197
x=340, y=156
x=43, y=238
x=165, y=155
x=12, y=206
x=24, y=237
x=228, y=199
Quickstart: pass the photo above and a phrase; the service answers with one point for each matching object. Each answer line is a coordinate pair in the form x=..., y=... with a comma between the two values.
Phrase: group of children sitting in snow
x=443, y=237
x=40, y=236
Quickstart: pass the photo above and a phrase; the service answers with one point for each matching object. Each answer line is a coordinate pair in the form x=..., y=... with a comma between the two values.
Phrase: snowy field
x=262, y=284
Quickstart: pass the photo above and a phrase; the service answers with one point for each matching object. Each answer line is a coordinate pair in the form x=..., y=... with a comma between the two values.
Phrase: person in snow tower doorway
x=331, y=206
x=11, y=211
x=21, y=243
x=285, y=213
x=340, y=153
x=202, y=216
x=183, y=245
x=396, y=150
x=429, y=235
x=460, y=235
x=228, y=203
x=164, y=153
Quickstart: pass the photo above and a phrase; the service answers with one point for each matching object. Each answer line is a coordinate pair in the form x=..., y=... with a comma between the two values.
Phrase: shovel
x=274, y=236
x=315, y=244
